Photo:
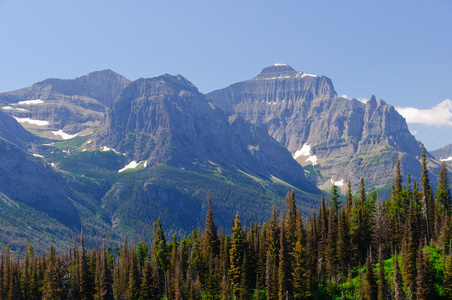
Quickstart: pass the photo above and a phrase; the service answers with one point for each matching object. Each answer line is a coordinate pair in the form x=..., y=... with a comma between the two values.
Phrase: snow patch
x=105, y=148
x=13, y=108
x=303, y=75
x=38, y=155
x=304, y=151
x=312, y=159
x=132, y=165
x=29, y=102
x=279, y=65
x=338, y=183
x=64, y=135
x=30, y=121
x=145, y=164
x=446, y=159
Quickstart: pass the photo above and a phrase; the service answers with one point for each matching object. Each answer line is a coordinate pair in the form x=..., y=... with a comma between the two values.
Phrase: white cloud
x=363, y=100
x=413, y=132
x=440, y=114
x=344, y=96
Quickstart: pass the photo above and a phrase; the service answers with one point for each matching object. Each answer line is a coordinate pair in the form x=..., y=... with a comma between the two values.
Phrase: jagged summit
x=165, y=120
x=348, y=139
x=281, y=71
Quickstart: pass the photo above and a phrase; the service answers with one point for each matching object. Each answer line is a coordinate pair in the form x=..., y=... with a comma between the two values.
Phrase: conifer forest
x=360, y=248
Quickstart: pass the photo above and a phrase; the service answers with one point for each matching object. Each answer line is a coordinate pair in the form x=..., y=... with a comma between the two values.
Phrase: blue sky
x=399, y=51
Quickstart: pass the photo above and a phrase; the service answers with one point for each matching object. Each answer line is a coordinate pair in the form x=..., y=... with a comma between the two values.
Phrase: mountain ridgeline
x=71, y=105
x=165, y=120
x=109, y=156
x=335, y=138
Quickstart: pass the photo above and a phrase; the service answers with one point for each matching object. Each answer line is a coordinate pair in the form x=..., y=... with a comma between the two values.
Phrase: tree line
x=363, y=248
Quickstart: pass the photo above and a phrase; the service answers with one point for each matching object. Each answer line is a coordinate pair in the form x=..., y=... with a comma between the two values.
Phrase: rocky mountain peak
x=276, y=70
x=165, y=120
x=348, y=139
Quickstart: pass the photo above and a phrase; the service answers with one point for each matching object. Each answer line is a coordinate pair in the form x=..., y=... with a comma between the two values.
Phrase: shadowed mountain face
x=165, y=120
x=28, y=179
x=13, y=132
x=71, y=105
x=337, y=139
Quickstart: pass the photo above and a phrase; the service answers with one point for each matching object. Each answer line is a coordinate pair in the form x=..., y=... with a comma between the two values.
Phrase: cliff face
x=165, y=120
x=337, y=139
x=70, y=105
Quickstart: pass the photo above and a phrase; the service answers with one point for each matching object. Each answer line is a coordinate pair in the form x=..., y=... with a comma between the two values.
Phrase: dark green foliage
x=283, y=258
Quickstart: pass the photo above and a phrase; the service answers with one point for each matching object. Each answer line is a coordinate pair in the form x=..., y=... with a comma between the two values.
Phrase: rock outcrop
x=70, y=105
x=337, y=139
x=165, y=120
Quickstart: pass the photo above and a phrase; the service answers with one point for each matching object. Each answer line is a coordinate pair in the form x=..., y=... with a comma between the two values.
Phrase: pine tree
x=284, y=270
x=335, y=197
x=348, y=201
x=343, y=241
x=84, y=275
x=382, y=285
x=237, y=252
x=331, y=255
x=291, y=216
x=398, y=293
x=443, y=196
x=106, y=281
x=149, y=287
x=397, y=187
x=371, y=289
x=52, y=279
x=210, y=242
x=424, y=280
x=448, y=276
x=427, y=197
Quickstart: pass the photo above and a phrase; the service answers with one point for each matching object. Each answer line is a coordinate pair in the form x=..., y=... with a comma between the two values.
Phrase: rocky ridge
x=337, y=139
x=71, y=106
x=165, y=120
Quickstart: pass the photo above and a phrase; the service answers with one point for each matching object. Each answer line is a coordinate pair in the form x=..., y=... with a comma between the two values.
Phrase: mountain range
x=334, y=138
x=111, y=155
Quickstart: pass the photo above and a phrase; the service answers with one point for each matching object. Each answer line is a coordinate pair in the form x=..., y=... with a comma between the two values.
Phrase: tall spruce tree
x=443, y=196
x=398, y=286
x=371, y=288
x=210, y=242
x=382, y=284
x=237, y=253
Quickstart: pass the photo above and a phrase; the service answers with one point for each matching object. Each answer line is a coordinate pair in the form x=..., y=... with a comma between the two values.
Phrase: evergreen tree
x=106, y=281
x=348, y=201
x=397, y=186
x=210, y=241
x=85, y=283
x=443, y=196
x=371, y=288
x=149, y=287
x=424, y=280
x=134, y=277
x=237, y=254
x=398, y=289
x=284, y=270
x=409, y=260
x=335, y=197
x=448, y=276
x=331, y=255
x=382, y=285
